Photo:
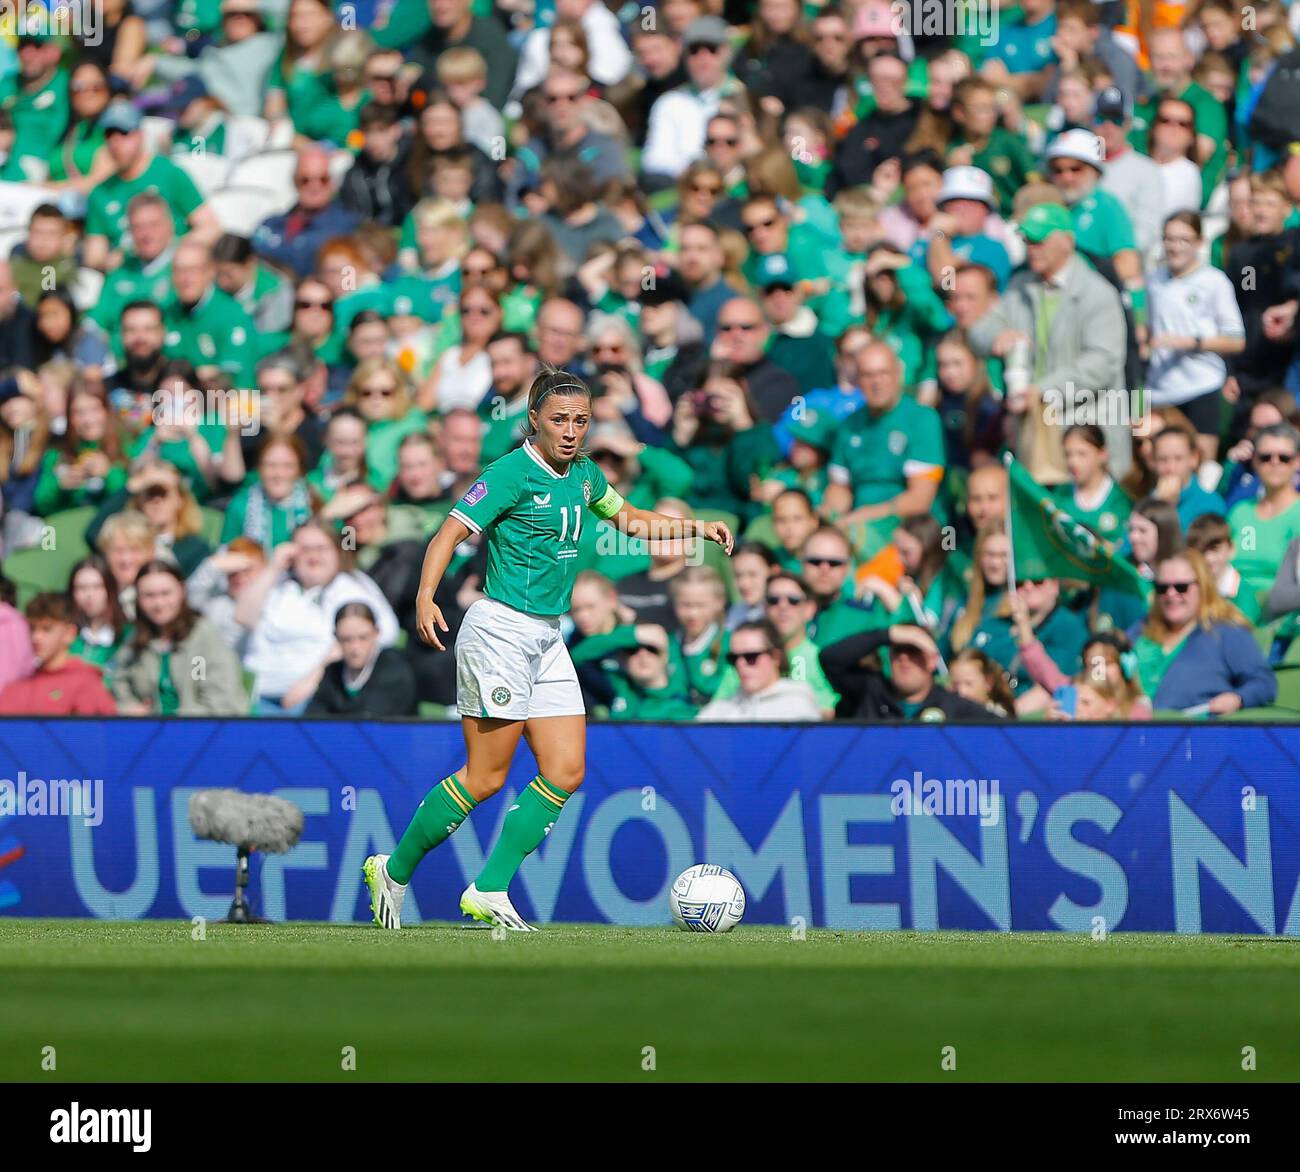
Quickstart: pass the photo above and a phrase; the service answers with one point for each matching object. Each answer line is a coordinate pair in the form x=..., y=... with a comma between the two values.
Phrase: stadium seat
x=209, y=172
x=158, y=133
x=48, y=566
x=760, y=530
x=272, y=171
x=18, y=201
x=10, y=237
x=246, y=134
x=86, y=292
x=1288, y=688
x=213, y=522
x=241, y=209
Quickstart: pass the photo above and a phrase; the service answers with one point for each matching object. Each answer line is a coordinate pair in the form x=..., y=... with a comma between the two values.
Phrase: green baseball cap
x=774, y=269
x=816, y=428
x=1043, y=219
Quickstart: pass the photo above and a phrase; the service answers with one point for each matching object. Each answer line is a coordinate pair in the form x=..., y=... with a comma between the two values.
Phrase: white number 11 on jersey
x=577, y=522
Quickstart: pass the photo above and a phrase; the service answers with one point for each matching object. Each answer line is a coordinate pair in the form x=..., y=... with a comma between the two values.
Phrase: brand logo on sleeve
x=477, y=491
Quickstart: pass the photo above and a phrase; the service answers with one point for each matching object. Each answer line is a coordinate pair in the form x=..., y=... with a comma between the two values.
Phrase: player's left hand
x=718, y=533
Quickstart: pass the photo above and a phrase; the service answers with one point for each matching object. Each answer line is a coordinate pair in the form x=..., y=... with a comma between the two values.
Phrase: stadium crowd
x=279, y=277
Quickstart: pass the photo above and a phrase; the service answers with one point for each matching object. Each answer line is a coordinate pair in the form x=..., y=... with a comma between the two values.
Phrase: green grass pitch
x=144, y=1001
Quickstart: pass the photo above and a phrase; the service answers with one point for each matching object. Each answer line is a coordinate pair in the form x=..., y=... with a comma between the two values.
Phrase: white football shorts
x=513, y=666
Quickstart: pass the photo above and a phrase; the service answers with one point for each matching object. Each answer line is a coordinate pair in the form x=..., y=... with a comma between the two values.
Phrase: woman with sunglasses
x=1173, y=147
x=80, y=161
x=514, y=674
x=1196, y=653
x=383, y=396
x=765, y=690
x=1263, y=528
x=463, y=374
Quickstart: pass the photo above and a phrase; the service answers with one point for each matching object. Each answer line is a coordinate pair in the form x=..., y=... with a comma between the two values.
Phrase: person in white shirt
x=1195, y=322
x=765, y=693
x=1173, y=147
x=1130, y=176
x=678, y=119
x=290, y=607
x=609, y=60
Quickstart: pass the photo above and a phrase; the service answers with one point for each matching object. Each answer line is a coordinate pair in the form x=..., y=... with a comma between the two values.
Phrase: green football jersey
x=534, y=517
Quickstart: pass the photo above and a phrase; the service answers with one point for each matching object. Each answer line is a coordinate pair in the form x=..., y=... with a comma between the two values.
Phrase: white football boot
x=495, y=908
x=385, y=895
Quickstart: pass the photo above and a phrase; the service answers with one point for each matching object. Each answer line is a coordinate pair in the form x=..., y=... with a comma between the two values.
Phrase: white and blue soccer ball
x=705, y=898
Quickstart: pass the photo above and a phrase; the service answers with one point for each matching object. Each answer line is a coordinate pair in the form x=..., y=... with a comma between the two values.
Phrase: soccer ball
x=705, y=898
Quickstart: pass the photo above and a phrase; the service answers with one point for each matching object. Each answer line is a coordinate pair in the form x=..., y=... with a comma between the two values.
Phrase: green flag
x=1046, y=542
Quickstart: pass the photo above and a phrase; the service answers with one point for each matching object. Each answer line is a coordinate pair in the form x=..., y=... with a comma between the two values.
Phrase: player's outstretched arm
x=428, y=615
x=648, y=524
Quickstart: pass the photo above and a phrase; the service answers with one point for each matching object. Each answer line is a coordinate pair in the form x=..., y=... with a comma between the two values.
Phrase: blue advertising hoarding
x=1189, y=828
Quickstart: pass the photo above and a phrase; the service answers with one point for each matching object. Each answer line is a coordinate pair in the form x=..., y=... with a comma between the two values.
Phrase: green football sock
x=444, y=808
x=526, y=824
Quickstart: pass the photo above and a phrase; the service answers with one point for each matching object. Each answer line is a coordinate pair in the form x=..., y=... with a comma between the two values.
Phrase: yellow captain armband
x=608, y=505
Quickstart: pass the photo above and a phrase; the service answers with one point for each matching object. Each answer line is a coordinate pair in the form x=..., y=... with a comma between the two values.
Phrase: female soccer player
x=513, y=672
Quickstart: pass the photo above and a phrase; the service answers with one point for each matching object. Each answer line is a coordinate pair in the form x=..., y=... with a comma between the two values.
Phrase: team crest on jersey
x=586, y=492
x=500, y=696
x=477, y=491
x=897, y=442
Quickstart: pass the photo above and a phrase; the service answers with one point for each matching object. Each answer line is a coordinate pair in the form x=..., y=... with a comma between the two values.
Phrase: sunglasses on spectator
x=302, y=303
x=646, y=647
x=1275, y=457
x=477, y=310
x=556, y=99
x=378, y=392
x=1163, y=588
x=749, y=658
x=706, y=188
x=787, y=599
x=718, y=140
x=479, y=271
x=745, y=326
x=835, y=562
x=691, y=50
x=750, y=229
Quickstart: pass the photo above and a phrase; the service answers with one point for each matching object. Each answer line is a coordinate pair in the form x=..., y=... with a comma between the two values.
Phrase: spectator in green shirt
x=718, y=431
x=889, y=459
x=1092, y=497
x=277, y=498
x=137, y=169
x=383, y=395
x=40, y=108
x=1263, y=528
x=205, y=326
x=298, y=81
x=88, y=464
x=79, y=159
x=981, y=142
x=1171, y=71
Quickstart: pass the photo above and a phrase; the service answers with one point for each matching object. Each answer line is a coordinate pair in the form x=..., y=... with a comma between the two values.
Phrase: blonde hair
x=698, y=576
x=853, y=203
x=964, y=628
x=436, y=212
x=366, y=370
x=461, y=64
x=1214, y=610
x=131, y=526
